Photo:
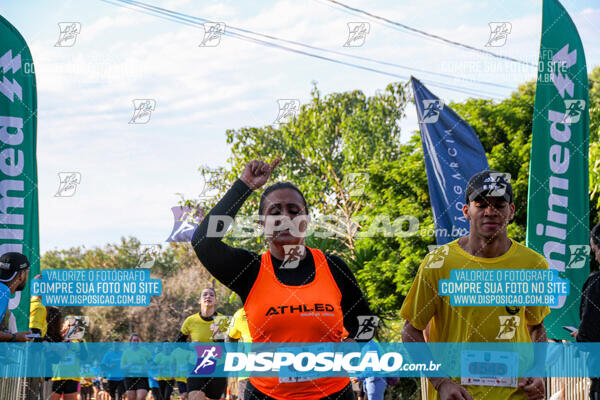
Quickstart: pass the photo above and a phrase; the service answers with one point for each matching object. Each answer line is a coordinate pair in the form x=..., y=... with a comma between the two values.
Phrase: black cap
x=489, y=184
x=10, y=264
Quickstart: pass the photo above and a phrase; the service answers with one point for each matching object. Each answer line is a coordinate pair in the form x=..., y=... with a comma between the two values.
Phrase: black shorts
x=65, y=386
x=182, y=386
x=136, y=384
x=116, y=388
x=87, y=390
x=253, y=393
x=213, y=388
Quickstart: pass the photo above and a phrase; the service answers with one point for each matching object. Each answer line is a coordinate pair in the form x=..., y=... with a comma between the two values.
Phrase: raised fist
x=258, y=172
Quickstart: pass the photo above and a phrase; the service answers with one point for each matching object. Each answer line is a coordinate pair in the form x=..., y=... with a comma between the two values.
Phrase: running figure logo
x=68, y=34
x=435, y=259
x=508, y=327
x=212, y=34
x=497, y=183
x=292, y=255
x=147, y=255
x=142, y=109
x=355, y=183
x=68, y=184
x=186, y=220
x=499, y=32
x=573, y=110
x=288, y=108
x=366, y=326
x=207, y=359
x=357, y=33
x=431, y=110
x=579, y=256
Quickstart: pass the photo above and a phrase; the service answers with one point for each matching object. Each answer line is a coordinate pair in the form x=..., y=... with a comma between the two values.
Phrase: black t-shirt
x=238, y=268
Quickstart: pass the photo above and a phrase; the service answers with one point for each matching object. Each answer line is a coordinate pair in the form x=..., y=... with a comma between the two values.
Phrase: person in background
x=589, y=311
x=373, y=388
x=357, y=388
x=14, y=268
x=87, y=388
x=115, y=381
x=135, y=360
x=200, y=327
x=37, y=315
x=163, y=362
x=67, y=388
x=154, y=388
x=239, y=332
x=53, y=334
x=183, y=359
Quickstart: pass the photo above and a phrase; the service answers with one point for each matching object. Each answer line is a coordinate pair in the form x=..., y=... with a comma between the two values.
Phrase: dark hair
x=595, y=234
x=133, y=335
x=54, y=320
x=279, y=186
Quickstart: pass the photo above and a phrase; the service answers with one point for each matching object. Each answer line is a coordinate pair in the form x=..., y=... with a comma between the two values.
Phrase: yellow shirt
x=448, y=323
x=238, y=328
x=37, y=315
x=183, y=359
x=68, y=365
x=197, y=328
x=163, y=363
x=135, y=360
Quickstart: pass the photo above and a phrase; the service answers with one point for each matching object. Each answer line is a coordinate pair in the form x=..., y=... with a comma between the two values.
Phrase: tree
x=322, y=149
x=389, y=264
x=182, y=275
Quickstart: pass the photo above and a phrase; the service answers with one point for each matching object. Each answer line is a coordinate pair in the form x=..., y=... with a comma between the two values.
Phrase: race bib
x=489, y=368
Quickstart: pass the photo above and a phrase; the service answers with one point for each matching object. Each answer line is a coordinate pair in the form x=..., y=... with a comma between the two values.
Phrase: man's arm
x=446, y=387
x=18, y=337
x=538, y=333
x=535, y=388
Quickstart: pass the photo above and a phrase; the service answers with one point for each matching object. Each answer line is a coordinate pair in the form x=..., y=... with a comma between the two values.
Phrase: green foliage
x=183, y=278
x=330, y=139
x=125, y=255
x=345, y=133
x=333, y=138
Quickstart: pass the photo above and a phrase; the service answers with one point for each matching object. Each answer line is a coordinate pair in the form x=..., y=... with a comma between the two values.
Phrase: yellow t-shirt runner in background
x=37, y=315
x=197, y=328
x=448, y=323
x=238, y=329
x=184, y=361
x=135, y=360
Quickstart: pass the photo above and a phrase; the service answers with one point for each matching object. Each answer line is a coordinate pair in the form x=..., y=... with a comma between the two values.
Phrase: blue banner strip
x=117, y=360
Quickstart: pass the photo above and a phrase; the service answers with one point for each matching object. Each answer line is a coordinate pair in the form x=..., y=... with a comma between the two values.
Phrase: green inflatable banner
x=558, y=206
x=19, y=227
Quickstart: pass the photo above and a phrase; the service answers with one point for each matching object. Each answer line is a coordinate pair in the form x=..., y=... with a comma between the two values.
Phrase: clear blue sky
x=130, y=173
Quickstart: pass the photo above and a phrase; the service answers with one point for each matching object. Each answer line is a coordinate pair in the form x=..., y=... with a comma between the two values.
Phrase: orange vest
x=308, y=313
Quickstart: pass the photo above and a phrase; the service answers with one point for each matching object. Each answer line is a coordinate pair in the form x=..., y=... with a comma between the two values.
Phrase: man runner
x=14, y=268
x=489, y=208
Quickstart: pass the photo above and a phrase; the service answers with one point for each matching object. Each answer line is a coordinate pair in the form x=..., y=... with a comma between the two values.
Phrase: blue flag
x=453, y=153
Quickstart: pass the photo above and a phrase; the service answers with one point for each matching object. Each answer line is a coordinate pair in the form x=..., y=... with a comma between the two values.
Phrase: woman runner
x=198, y=328
x=310, y=300
x=136, y=359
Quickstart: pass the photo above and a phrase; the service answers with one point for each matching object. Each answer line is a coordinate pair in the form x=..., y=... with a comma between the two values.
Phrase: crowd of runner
x=277, y=292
